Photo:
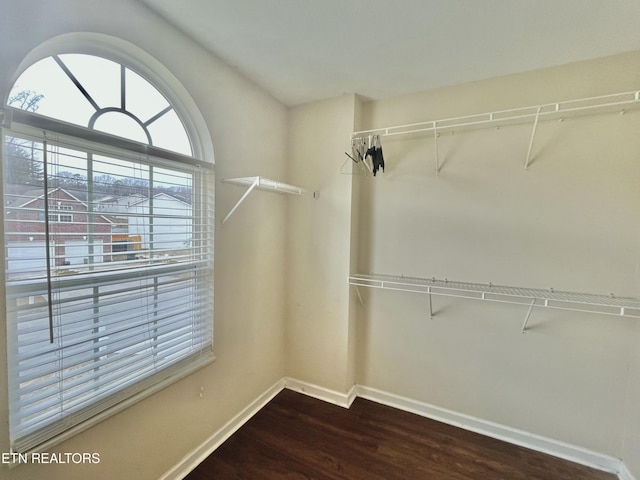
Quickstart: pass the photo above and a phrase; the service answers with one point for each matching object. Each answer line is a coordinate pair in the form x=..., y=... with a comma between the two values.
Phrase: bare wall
x=319, y=335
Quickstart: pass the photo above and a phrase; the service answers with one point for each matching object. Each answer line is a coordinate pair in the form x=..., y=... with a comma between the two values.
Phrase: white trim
x=331, y=396
x=624, y=473
x=199, y=454
x=511, y=435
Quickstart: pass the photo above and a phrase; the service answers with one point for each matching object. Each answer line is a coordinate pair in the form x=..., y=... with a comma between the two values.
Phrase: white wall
x=570, y=222
x=320, y=337
x=248, y=128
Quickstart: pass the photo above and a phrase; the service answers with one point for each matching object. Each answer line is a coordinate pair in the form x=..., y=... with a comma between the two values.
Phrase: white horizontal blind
x=108, y=278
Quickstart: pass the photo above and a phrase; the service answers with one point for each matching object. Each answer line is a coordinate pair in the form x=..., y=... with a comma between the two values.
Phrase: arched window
x=108, y=223
x=101, y=94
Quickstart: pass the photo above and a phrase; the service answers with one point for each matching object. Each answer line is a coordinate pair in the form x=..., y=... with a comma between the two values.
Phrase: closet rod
x=617, y=102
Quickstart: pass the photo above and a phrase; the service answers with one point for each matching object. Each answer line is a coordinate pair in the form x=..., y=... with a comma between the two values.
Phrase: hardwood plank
x=298, y=437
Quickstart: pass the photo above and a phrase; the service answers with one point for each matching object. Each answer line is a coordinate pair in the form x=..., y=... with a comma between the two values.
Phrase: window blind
x=109, y=279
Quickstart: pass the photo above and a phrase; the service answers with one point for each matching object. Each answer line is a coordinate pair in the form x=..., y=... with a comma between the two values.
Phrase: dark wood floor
x=298, y=437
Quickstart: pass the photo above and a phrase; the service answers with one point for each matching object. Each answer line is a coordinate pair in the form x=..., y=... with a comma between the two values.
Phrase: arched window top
x=101, y=94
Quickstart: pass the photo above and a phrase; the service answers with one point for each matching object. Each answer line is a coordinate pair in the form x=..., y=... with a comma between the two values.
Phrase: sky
x=102, y=81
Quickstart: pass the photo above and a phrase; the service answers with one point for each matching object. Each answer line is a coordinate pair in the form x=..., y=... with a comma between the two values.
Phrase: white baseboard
x=198, y=455
x=522, y=438
x=624, y=473
x=332, y=396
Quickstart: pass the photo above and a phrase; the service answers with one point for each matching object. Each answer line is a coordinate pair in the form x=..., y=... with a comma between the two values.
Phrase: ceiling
x=306, y=50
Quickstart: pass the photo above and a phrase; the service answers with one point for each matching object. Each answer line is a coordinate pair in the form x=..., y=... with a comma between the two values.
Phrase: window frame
x=160, y=78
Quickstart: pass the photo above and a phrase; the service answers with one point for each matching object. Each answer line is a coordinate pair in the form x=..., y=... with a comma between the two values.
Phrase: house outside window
x=108, y=244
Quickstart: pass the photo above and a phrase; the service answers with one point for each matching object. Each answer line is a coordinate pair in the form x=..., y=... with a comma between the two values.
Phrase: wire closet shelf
x=614, y=103
x=547, y=298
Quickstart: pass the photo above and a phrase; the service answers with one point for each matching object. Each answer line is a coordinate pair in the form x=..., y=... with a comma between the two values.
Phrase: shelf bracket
x=359, y=296
x=526, y=319
x=242, y=199
x=435, y=147
x=430, y=303
x=533, y=135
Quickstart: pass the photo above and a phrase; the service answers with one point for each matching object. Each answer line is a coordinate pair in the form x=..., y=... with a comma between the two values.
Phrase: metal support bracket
x=533, y=135
x=526, y=319
x=435, y=147
x=359, y=296
x=242, y=199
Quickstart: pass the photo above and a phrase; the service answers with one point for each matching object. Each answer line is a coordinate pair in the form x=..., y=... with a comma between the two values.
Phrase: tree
x=25, y=100
x=24, y=162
